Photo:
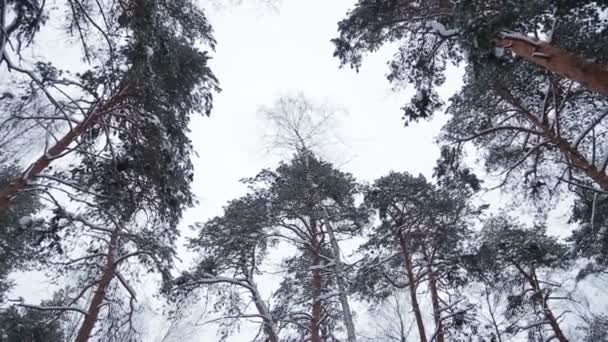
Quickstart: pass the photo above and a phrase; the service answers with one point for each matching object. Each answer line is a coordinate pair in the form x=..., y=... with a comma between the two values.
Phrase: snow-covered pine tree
x=24, y=240
x=131, y=171
x=304, y=127
x=518, y=261
x=418, y=243
x=306, y=195
x=590, y=238
x=145, y=80
x=441, y=31
x=231, y=249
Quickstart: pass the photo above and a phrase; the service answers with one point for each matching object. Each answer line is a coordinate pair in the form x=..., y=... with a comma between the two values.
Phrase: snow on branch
x=440, y=29
x=519, y=36
x=53, y=308
x=126, y=285
x=90, y=224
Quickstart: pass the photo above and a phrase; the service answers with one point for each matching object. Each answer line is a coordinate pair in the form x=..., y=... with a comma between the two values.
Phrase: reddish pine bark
x=56, y=151
x=98, y=297
x=557, y=60
x=435, y=302
x=411, y=278
x=559, y=334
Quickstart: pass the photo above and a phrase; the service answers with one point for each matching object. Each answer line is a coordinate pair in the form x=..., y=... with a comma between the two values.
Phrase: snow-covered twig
x=519, y=36
x=126, y=285
x=53, y=308
x=440, y=29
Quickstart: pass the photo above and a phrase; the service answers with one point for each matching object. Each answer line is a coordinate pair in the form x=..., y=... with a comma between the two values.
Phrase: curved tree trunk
x=593, y=76
x=411, y=278
x=57, y=151
x=549, y=316
x=270, y=328
x=98, y=297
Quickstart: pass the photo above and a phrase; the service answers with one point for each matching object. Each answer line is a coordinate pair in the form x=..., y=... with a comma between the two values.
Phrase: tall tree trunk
x=56, y=151
x=491, y=311
x=342, y=286
x=270, y=328
x=535, y=284
x=317, y=284
x=557, y=60
x=98, y=297
x=439, y=336
x=549, y=316
x=411, y=278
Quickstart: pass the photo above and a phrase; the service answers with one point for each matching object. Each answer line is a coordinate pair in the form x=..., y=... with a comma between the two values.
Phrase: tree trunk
x=435, y=301
x=56, y=151
x=317, y=284
x=491, y=311
x=270, y=328
x=411, y=278
x=557, y=60
x=554, y=324
x=559, y=334
x=342, y=286
x=106, y=278
x=534, y=283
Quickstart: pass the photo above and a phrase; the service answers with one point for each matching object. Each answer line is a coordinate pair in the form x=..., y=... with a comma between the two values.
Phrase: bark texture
x=557, y=60
x=411, y=278
x=98, y=297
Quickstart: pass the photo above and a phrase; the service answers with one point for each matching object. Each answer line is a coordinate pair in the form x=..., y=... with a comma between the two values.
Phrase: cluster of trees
x=424, y=239
x=101, y=201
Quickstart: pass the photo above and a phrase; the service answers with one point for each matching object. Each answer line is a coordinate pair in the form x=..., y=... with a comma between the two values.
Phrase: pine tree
x=418, y=243
x=232, y=248
x=29, y=326
x=131, y=170
x=590, y=238
x=516, y=260
x=148, y=81
x=440, y=31
x=304, y=127
x=306, y=196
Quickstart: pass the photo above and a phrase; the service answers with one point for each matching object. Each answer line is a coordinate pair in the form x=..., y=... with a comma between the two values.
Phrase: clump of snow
x=419, y=95
x=149, y=51
x=25, y=221
x=440, y=29
x=499, y=51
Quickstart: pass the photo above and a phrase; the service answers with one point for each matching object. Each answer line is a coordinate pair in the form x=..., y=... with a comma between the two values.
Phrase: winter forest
x=290, y=171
